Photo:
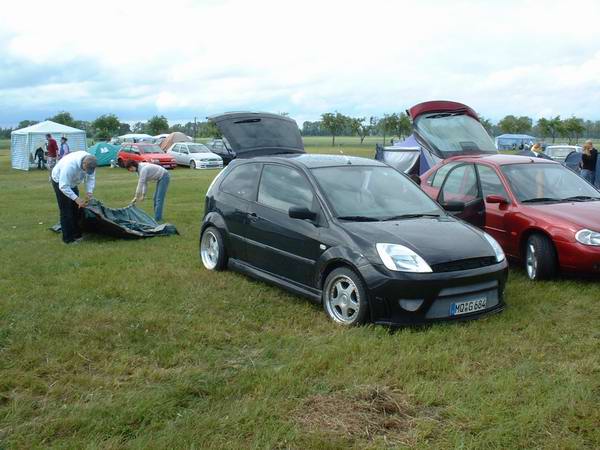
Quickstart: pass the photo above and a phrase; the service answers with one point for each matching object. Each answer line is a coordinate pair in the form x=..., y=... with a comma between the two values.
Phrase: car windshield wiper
x=359, y=218
x=580, y=198
x=540, y=199
x=409, y=216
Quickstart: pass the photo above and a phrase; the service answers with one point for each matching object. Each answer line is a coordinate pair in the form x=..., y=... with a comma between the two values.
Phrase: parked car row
x=362, y=239
x=195, y=156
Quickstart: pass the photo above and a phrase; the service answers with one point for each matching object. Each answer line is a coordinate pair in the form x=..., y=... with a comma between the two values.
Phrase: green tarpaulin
x=129, y=222
x=104, y=152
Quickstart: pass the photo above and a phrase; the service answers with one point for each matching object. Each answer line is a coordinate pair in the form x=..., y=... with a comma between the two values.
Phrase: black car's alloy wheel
x=540, y=258
x=212, y=249
x=345, y=298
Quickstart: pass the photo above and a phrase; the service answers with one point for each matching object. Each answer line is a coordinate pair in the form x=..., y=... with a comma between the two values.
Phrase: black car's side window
x=490, y=183
x=283, y=187
x=242, y=181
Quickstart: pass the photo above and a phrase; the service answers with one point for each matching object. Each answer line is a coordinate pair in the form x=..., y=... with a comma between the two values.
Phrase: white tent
x=24, y=142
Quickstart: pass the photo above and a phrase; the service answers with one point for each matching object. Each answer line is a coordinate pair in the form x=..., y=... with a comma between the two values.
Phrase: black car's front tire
x=345, y=297
x=212, y=249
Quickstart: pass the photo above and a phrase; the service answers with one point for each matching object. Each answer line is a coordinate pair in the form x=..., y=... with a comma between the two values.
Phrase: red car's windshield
x=547, y=182
x=149, y=149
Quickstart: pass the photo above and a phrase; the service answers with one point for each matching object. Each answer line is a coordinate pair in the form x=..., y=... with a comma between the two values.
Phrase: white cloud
x=185, y=58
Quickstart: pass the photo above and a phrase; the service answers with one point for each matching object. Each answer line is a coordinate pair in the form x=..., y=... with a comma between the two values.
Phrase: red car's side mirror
x=496, y=199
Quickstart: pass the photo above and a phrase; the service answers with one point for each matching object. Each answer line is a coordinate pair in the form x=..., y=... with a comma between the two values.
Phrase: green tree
x=26, y=123
x=573, y=128
x=550, y=127
x=124, y=128
x=402, y=125
x=157, y=125
x=64, y=118
x=106, y=126
x=334, y=123
x=488, y=125
x=515, y=125
x=139, y=127
x=359, y=127
x=387, y=125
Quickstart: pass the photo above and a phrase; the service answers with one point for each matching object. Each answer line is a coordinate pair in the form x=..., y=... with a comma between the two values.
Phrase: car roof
x=502, y=160
x=313, y=161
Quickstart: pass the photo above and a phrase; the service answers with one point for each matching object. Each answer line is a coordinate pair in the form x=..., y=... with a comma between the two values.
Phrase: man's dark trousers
x=69, y=214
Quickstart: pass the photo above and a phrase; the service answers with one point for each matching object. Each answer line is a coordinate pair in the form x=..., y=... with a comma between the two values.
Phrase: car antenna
x=347, y=159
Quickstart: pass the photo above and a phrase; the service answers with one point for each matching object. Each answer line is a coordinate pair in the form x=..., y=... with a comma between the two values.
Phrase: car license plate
x=470, y=306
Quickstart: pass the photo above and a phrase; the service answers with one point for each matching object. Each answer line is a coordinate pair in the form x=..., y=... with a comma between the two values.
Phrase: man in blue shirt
x=69, y=172
x=64, y=148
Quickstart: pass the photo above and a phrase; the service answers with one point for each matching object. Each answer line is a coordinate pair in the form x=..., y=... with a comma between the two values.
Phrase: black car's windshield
x=364, y=193
x=198, y=148
x=454, y=133
x=537, y=183
x=152, y=148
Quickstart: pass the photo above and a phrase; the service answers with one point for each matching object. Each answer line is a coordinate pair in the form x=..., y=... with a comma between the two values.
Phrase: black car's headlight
x=401, y=259
x=497, y=249
x=588, y=237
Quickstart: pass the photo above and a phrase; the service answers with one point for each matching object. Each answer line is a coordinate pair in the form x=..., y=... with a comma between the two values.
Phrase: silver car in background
x=560, y=152
x=196, y=156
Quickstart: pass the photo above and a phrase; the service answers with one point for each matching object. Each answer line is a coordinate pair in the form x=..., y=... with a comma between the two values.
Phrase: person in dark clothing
x=589, y=159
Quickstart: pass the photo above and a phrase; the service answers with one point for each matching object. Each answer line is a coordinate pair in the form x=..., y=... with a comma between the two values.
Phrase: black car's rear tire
x=540, y=258
x=345, y=297
x=212, y=249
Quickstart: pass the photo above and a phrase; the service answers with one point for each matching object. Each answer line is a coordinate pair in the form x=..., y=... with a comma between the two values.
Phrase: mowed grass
x=132, y=344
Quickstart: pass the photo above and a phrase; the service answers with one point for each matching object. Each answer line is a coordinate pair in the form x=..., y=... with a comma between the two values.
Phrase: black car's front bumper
x=400, y=298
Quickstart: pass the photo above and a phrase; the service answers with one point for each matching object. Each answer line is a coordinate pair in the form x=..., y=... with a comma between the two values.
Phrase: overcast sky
x=186, y=58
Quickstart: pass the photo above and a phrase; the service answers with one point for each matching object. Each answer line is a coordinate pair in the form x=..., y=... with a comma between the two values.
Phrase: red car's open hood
x=579, y=214
x=440, y=106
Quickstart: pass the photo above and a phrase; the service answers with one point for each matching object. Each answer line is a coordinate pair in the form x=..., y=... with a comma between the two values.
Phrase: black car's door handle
x=252, y=217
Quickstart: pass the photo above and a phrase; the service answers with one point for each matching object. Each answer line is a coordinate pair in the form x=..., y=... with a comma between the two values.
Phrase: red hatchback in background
x=145, y=152
x=539, y=211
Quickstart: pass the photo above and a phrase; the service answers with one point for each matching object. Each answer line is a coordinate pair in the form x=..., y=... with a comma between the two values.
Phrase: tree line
x=108, y=125
x=334, y=124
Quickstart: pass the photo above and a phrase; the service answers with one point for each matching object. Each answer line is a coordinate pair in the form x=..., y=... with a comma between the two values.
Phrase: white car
x=197, y=156
x=560, y=152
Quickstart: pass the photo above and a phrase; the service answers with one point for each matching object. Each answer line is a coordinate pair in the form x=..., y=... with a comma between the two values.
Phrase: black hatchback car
x=351, y=233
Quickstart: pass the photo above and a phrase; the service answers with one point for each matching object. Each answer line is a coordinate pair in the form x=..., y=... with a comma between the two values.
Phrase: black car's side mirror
x=301, y=212
x=454, y=206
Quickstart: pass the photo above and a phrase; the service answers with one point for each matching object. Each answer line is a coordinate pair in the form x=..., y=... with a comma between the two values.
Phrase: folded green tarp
x=127, y=223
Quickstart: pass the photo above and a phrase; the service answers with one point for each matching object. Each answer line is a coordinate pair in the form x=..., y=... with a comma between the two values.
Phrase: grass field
x=132, y=344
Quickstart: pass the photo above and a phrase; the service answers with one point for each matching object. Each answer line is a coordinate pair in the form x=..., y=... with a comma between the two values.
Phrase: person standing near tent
x=64, y=148
x=52, y=149
x=68, y=173
x=589, y=158
x=150, y=172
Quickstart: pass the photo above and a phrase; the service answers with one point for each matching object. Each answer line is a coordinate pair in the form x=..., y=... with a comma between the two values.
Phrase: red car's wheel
x=540, y=258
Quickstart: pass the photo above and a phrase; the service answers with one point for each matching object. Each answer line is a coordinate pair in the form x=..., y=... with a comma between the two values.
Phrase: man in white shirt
x=69, y=172
x=150, y=172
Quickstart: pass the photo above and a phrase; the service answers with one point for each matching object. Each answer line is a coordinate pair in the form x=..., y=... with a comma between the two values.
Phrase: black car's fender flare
x=215, y=219
x=335, y=257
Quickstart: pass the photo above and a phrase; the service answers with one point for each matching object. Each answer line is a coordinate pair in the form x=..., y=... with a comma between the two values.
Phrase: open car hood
x=256, y=134
x=447, y=129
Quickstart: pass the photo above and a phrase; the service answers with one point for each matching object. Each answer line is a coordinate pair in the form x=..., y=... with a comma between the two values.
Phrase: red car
x=539, y=211
x=145, y=152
